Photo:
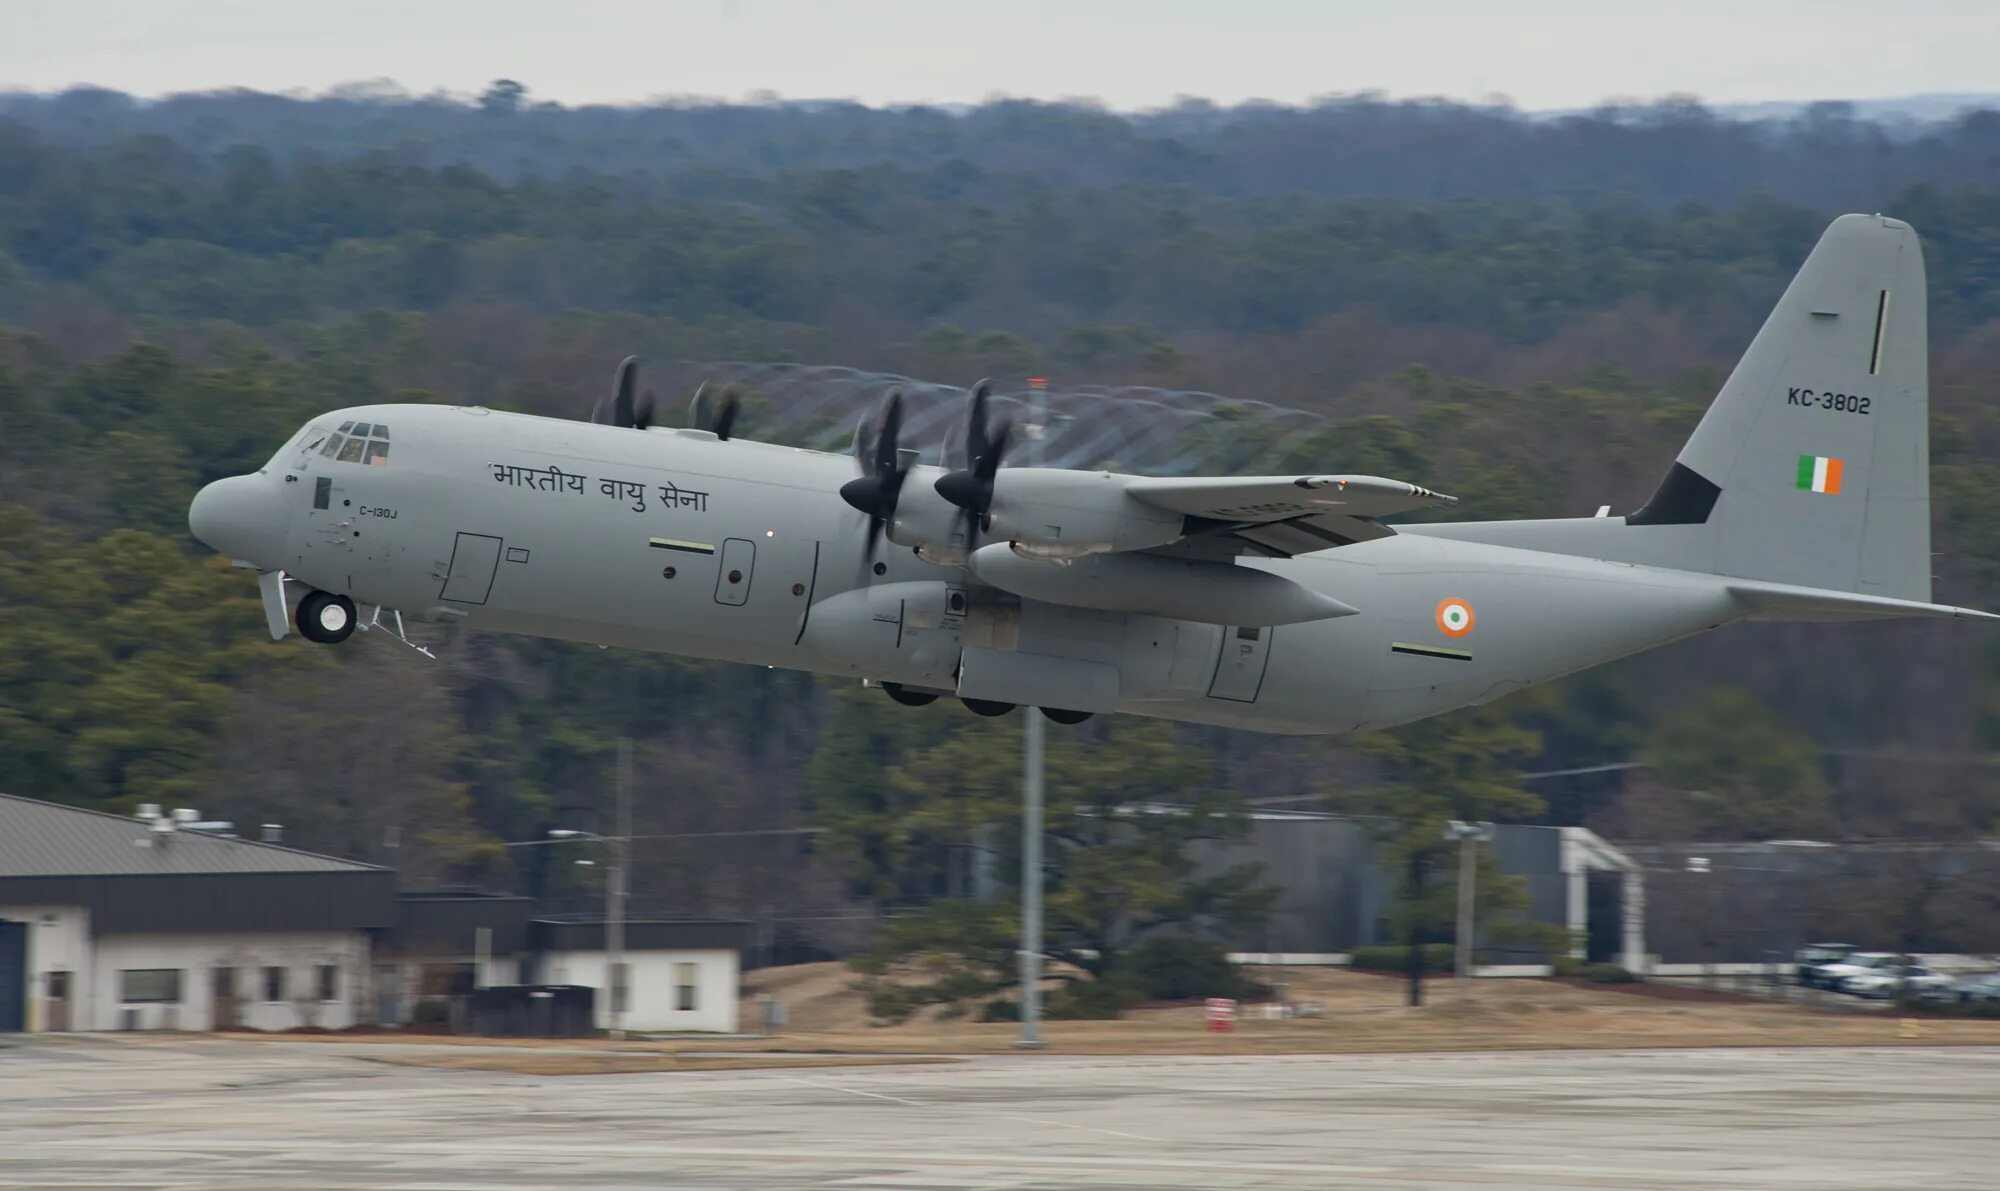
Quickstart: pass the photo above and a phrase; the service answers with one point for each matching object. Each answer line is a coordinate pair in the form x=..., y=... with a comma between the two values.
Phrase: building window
x=685, y=998
x=140, y=986
x=329, y=982
x=274, y=984
x=621, y=987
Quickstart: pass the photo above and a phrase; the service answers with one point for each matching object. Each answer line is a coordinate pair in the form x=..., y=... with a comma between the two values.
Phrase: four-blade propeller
x=971, y=488
x=626, y=412
x=880, y=483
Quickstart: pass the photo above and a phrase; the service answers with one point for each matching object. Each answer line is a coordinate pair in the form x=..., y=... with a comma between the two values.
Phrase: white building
x=111, y=923
x=680, y=975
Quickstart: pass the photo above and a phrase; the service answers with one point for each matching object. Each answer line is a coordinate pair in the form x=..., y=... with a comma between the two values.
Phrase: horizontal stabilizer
x=1782, y=601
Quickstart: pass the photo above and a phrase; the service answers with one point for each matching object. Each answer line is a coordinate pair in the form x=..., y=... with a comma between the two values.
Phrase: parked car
x=1812, y=955
x=1829, y=975
x=1888, y=980
x=1971, y=989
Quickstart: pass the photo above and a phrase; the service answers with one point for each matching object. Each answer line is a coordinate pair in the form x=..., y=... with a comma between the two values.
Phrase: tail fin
x=1812, y=467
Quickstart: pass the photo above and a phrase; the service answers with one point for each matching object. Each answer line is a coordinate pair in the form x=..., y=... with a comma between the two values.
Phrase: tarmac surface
x=87, y=1112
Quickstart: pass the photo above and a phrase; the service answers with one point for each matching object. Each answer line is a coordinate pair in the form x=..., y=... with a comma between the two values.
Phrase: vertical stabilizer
x=1812, y=466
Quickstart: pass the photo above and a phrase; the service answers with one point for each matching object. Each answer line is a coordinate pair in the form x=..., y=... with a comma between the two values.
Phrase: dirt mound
x=818, y=997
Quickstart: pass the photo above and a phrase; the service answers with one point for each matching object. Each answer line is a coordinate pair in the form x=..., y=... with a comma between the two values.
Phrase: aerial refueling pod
x=1181, y=589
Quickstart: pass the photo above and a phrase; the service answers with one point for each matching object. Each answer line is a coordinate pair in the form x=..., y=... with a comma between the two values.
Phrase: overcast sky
x=1128, y=53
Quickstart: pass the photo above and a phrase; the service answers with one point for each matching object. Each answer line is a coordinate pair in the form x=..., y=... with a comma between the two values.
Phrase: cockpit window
x=362, y=443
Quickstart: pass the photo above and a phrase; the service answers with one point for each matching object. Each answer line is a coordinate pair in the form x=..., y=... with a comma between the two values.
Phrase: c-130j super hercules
x=1275, y=603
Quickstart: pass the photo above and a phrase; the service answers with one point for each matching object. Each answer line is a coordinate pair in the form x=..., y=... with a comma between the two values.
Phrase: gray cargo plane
x=1274, y=603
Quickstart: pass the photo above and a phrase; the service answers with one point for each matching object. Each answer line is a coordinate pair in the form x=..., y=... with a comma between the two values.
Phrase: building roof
x=47, y=839
x=437, y=922
x=643, y=934
x=133, y=879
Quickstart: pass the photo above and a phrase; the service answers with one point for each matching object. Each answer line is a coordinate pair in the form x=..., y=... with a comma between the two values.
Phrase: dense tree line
x=181, y=284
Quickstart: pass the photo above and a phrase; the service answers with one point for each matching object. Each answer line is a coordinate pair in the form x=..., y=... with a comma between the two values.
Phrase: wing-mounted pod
x=1182, y=589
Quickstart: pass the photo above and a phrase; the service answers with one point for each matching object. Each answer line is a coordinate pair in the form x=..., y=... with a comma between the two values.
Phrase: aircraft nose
x=243, y=517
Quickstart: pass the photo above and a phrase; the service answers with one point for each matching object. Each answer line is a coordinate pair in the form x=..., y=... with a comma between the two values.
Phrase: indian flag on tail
x=1817, y=473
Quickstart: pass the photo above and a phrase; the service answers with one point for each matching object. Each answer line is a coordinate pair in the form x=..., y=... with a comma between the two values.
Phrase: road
x=223, y=1114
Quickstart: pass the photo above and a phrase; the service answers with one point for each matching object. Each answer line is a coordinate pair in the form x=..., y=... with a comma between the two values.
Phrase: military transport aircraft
x=1274, y=603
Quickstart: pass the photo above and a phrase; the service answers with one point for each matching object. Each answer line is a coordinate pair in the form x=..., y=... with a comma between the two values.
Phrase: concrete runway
x=210, y=1114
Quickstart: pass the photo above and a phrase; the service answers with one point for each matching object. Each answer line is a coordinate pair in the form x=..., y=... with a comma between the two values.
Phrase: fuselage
x=677, y=542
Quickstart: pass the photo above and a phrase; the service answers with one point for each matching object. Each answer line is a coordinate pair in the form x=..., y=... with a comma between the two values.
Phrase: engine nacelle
x=1181, y=589
x=923, y=518
x=1077, y=512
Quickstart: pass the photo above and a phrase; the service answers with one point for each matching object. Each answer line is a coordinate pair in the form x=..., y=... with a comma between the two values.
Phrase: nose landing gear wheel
x=325, y=618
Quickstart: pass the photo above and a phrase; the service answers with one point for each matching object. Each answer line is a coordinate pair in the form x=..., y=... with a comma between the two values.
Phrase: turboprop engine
x=1068, y=514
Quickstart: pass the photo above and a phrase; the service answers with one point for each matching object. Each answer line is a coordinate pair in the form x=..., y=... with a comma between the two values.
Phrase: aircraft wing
x=1287, y=515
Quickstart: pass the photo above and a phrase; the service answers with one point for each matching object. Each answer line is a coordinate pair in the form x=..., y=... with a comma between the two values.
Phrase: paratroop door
x=1239, y=668
x=473, y=560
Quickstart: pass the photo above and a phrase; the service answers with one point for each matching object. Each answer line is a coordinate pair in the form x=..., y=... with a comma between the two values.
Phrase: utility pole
x=614, y=892
x=1031, y=802
x=1469, y=837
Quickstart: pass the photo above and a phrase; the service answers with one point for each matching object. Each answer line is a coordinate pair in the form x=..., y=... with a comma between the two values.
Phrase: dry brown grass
x=1361, y=1014
x=1364, y=1013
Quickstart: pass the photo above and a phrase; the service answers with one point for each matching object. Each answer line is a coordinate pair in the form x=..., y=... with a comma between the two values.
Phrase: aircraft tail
x=1812, y=466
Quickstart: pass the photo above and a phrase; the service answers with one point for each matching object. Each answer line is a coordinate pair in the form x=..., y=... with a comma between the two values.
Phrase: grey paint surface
x=275, y=1114
x=47, y=839
x=671, y=540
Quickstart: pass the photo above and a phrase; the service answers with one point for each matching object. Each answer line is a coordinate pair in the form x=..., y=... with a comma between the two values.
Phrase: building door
x=1239, y=668
x=228, y=1007
x=55, y=999
x=473, y=560
x=732, y=578
x=13, y=977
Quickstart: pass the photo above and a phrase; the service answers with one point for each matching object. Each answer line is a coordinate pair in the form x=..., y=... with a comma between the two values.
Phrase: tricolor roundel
x=1817, y=473
x=1454, y=617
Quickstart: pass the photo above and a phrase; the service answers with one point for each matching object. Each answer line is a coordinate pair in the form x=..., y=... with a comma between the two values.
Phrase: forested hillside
x=1528, y=313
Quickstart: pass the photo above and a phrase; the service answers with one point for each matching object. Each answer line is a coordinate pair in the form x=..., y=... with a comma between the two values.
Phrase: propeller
x=875, y=490
x=719, y=421
x=971, y=488
x=621, y=412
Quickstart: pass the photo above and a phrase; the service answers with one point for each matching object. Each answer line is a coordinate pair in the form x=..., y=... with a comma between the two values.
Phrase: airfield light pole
x=1031, y=802
x=614, y=891
x=1469, y=837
